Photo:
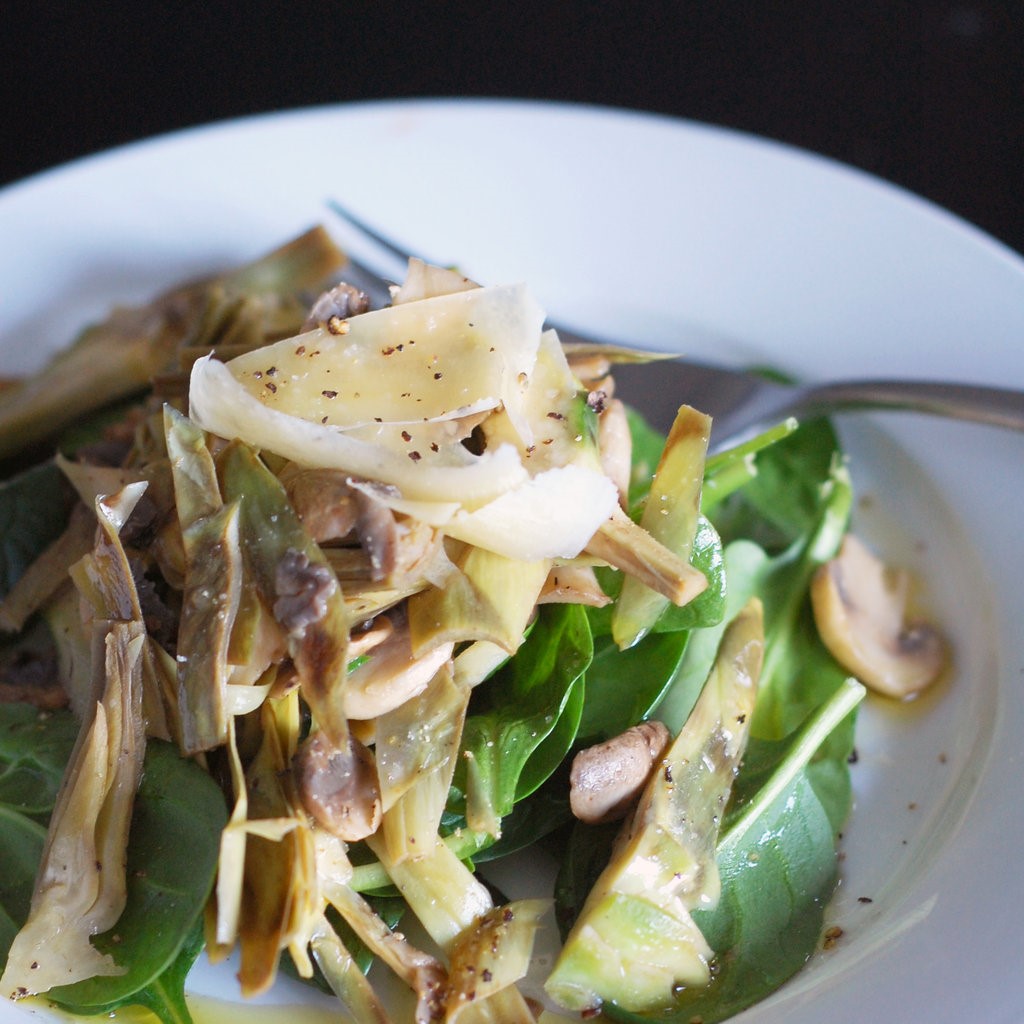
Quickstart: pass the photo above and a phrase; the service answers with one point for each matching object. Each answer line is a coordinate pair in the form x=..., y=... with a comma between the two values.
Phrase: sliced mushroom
x=378, y=534
x=573, y=584
x=587, y=365
x=339, y=788
x=391, y=675
x=606, y=779
x=362, y=641
x=341, y=302
x=324, y=502
x=860, y=609
x=616, y=445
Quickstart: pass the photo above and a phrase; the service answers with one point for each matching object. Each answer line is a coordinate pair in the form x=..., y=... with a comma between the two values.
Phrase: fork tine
x=375, y=284
x=371, y=280
x=387, y=244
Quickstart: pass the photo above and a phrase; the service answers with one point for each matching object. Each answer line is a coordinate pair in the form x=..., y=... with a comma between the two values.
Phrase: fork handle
x=1001, y=407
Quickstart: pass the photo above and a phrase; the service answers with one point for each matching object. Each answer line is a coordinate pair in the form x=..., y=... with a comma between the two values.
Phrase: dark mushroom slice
x=324, y=502
x=606, y=779
x=335, y=306
x=338, y=787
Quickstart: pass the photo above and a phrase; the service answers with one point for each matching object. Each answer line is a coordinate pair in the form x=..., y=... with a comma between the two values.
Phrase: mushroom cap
x=860, y=609
x=338, y=787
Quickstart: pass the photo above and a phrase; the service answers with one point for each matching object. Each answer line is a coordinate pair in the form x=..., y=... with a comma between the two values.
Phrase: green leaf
x=624, y=687
x=33, y=513
x=172, y=857
x=777, y=856
x=34, y=748
x=744, y=567
x=522, y=705
x=778, y=867
x=781, y=503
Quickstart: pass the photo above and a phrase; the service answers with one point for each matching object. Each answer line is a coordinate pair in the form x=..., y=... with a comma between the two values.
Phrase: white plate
x=729, y=246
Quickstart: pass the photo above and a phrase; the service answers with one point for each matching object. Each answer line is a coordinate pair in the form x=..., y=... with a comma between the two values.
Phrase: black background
x=929, y=95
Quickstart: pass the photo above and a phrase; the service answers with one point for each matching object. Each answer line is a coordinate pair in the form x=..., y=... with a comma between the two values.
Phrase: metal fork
x=741, y=401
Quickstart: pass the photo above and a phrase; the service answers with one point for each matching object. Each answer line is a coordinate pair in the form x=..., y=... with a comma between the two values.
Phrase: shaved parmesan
x=434, y=359
x=551, y=515
x=221, y=405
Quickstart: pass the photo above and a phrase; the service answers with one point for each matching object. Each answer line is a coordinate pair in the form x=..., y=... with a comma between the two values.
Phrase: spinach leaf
x=172, y=857
x=744, y=568
x=777, y=855
x=532, y=820
x=164, y=996
x=708, y=608
x=172, y=854
x=520, y=706
x=624, y=687
x=769, y=918
x=781, y=503
x=33, y=510
x=34, y=748
x=778, y=867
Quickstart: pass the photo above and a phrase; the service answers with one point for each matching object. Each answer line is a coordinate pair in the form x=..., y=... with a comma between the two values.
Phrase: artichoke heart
x=635, y=942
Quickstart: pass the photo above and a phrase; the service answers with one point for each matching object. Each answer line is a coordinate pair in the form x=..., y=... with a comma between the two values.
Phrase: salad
x=319, y=610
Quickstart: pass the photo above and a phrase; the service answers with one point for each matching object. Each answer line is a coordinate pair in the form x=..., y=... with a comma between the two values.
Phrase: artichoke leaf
x=670, y=517
x=268, y=852
x=293, y=578
x=635, y=941
x=209, y=606
x=422, y=972
x=80, y=888
x=491, y=955
x=345, y=978
x=104, y=576
x=446, y=897
x=417, y=747
x=491, y=598
x=121, y=355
